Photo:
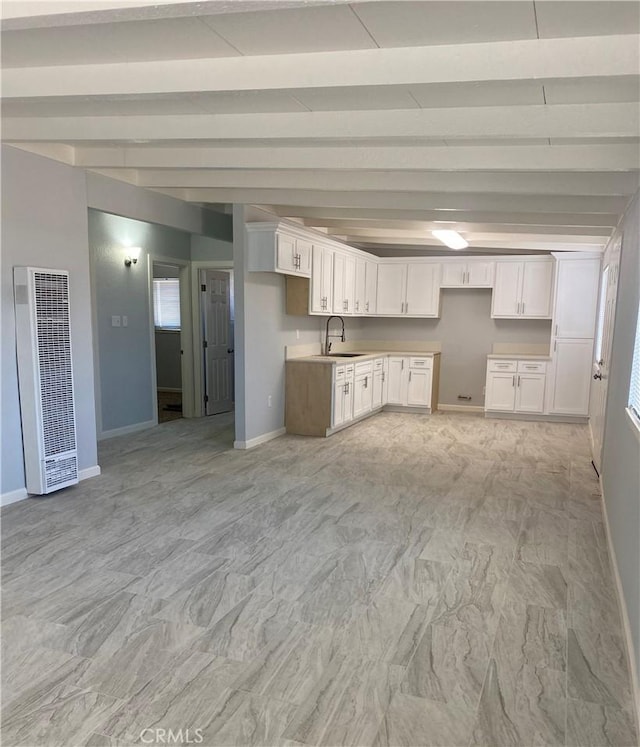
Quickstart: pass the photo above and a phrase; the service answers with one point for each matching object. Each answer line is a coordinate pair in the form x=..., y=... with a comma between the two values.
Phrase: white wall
x=262, y=330
x=44, y=224
x=621, y=455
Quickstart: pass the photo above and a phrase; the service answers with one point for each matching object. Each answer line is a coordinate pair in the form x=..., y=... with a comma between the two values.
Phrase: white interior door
x=218, y=346
x=602, y=350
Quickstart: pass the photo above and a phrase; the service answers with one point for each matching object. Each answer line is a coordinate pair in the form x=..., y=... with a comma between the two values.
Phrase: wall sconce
x=133, y=252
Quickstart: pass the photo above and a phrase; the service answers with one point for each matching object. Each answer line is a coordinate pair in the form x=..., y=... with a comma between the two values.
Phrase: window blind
x=166, y=303
x=634, y=390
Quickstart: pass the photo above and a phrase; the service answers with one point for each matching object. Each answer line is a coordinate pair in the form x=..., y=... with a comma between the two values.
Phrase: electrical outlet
x=269, y=401
x=125, y=321
x=115, y=321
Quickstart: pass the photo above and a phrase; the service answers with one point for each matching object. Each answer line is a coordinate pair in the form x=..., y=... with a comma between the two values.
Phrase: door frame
x=196, y=328
x=186, y=334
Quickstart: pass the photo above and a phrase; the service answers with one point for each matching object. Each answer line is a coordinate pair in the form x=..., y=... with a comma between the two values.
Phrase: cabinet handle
x=555, y=345
x=357, y=305
x=402, y=368
x=367, y=306
x=410, y=372
x=366, y=382
x=518, y=380
x=523, y=307
x=383, y=377
x=406, y=307
x=556, y=330
x=513, y=380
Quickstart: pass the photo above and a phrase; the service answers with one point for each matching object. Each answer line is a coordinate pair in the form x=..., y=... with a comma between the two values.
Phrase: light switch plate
x=125, y=321
x=115, y=321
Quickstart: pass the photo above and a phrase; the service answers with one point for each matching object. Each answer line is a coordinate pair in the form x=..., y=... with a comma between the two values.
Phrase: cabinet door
x=371, y=286
x=419, y=388
x=285, y=252
x=576, y=298
x=507, y=289
x=339, y=300
x=327, y=280
x=501, y=392
x=530, y=393
x=537, y=285
x=391, y=289
x=396, y=387
x=423, y=289
x=359, y=306
x=317, y=296
x=348, y=399
x=453, y=274
x=303, y=251
x=572, y=363
x=376, y=393
x=349, y=284
x=480, y=274
x=338, y=403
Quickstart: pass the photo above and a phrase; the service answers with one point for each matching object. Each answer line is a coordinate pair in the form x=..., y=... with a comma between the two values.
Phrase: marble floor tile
x=597, y=670
x=413, y=580
x=412, y=721
x=598, y=725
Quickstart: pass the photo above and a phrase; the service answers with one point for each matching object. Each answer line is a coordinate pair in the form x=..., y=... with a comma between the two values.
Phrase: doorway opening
x=217, y=330
x=168, y=346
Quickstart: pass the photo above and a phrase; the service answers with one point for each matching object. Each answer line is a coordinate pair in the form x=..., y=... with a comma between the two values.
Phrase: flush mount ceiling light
x=451, y=238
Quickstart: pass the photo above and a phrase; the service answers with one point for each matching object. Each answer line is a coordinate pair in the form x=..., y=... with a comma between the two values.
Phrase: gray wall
x=466, y=331
x=124, y=354
x=168, y=360
x=44, y=224
x=621, y=457
x=205, y=247
x=262, y=330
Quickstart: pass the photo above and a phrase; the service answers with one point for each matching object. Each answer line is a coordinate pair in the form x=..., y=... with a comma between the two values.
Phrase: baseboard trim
x=89, y=472
x=259, y=439
x=460, y=408
x=409, y=409
x=114, y=432
x=624, y=614
x=581, y=420
x=6, y=499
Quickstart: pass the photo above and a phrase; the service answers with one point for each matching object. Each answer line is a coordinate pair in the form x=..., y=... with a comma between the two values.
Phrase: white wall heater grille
x=45, y=375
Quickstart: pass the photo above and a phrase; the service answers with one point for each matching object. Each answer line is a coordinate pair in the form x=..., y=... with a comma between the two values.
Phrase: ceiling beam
x=593, y=183
x=522, y=218
x=528, y=59
x=515, y=122
x=407, y=200
x=399, y=235
x=446, y=158
x=352, y=226
x=507, y=243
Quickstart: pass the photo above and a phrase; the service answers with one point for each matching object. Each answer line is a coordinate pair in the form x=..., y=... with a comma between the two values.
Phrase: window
x=166, y=303
x=634, y=390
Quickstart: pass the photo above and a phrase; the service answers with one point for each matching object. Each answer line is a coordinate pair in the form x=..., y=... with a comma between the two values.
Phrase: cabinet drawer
x=366, y=367
x=532, y=367
x=415, y=362
x=503, y=366
x=340, y=372
x=378, y=364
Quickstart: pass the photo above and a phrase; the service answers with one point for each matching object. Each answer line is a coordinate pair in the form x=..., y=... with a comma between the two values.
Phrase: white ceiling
x=515, y=122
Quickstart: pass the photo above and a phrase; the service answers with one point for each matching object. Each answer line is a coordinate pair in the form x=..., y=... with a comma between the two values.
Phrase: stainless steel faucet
x=327, y=344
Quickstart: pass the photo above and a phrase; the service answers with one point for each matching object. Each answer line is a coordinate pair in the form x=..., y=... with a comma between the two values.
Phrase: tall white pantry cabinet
x=573, y=330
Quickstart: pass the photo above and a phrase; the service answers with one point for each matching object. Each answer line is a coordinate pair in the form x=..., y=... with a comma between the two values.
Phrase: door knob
x=229, y=350
x=597, y=376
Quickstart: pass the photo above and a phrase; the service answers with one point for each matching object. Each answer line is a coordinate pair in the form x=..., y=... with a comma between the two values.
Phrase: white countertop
x=362, y=356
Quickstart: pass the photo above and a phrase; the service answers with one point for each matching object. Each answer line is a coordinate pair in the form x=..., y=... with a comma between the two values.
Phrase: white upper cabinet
x=392, y=288
x=523, y=289
x=469, y=274
x=411, y=289
x=371, y=288
x=361, y=286
x=272, y=249
x=344, y=281
x=576, y=298
x=321, y=299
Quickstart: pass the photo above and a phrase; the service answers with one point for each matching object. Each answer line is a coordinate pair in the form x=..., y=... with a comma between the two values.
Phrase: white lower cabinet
x=571, y=378
x=410, y=381
x=515, y=386
x=362, y=395
x=342, y=395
